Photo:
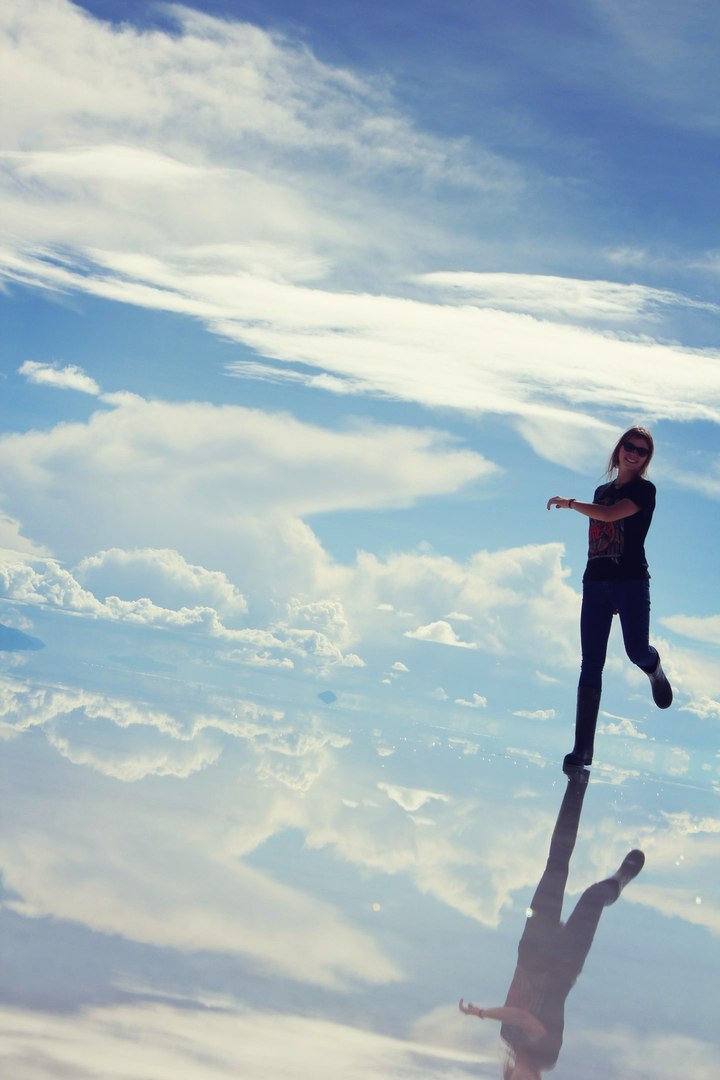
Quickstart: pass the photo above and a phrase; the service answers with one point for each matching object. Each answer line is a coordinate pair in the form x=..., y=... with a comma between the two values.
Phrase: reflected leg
x=579, y=931
x=548, y=897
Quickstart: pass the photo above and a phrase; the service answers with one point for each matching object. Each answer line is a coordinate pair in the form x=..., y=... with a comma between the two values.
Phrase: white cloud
x=536, y=714
x=476, y=702
x=162, y=575
x=437, y=355
x=45, y=582
x=119, y=150
x=15, y=546
x=515, y=597
x=621, y=725
x=123, y=1042
x=559, y=298
x=548, y=680
x=704, y=628
x=101, y=208
x=411, y=799
x=704, y=478
x=658, y=1056
x=70, y=377
x=162, y=744
x=441, y=633
x=248, y=475
x=695, y=674
x=93, y=859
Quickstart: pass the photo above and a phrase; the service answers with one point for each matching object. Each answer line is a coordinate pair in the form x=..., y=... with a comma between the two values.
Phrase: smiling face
x=632, y=453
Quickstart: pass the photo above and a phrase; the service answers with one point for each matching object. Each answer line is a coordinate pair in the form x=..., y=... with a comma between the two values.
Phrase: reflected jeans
x=601, y=599
x=548, y=945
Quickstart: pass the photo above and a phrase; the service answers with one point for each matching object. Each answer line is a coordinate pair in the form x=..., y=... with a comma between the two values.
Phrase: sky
x=307, y=310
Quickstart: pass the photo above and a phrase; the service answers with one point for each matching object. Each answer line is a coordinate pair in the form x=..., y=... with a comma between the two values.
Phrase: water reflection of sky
x=307, y=310
x=199, y=876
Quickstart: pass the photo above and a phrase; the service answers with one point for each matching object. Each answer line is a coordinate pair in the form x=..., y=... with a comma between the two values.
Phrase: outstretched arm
x=619, y=510
x=507, y=1014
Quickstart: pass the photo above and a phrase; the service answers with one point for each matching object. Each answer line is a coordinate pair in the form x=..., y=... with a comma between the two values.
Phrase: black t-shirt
x=616, y=549
x=540, y=990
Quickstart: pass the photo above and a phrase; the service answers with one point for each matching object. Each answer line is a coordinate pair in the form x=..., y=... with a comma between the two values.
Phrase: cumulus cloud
x=45, y=582
x=92, y=859
x=441, y=633
x=132, y=472
x=622, y=725
x=162, y=744
x=514, y=596
x=163, y=575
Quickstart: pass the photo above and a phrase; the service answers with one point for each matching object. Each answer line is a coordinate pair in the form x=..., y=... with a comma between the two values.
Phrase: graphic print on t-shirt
x=606, y=539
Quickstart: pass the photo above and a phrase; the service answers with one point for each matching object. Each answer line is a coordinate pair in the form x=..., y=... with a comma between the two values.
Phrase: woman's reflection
x=551, y=953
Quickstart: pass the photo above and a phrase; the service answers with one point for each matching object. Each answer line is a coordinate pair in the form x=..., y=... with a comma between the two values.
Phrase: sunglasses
x=631, y=448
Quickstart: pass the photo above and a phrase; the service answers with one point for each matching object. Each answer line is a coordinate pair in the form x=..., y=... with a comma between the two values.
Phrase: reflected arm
x=507, y=1014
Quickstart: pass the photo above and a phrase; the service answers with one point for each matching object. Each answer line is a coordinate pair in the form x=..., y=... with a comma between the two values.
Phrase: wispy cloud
x=273, y=251
x=70, y=377
x=560, y=298
x=698, y=627
x=226, y=1041
x=466, y=357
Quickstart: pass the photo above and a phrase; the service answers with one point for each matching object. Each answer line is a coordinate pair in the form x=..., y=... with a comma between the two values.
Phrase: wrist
x=570, y=504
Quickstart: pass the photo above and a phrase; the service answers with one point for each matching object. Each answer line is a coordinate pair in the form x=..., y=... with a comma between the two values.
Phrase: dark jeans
x=601, y=599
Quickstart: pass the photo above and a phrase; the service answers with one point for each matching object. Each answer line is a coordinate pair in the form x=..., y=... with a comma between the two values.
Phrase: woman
x=616, y=580
x=551, y=954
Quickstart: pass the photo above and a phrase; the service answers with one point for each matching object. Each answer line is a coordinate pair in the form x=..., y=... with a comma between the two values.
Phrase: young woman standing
x=616, y=581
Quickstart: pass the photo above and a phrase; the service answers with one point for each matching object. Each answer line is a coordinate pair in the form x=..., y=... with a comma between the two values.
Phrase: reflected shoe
x=661, y=688
x=629, y=868
x=581, y=755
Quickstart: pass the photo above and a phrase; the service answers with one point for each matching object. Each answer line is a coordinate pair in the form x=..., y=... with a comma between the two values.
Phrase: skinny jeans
x=601, y=600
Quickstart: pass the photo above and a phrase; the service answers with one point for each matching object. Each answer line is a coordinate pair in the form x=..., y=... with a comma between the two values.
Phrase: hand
x=559, y=503
x=469, y=1009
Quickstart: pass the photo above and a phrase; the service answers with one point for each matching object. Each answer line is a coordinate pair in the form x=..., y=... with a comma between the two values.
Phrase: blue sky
x=307, y=310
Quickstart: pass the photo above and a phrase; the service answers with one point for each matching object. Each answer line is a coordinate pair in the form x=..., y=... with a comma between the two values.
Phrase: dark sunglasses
x=631, y=448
